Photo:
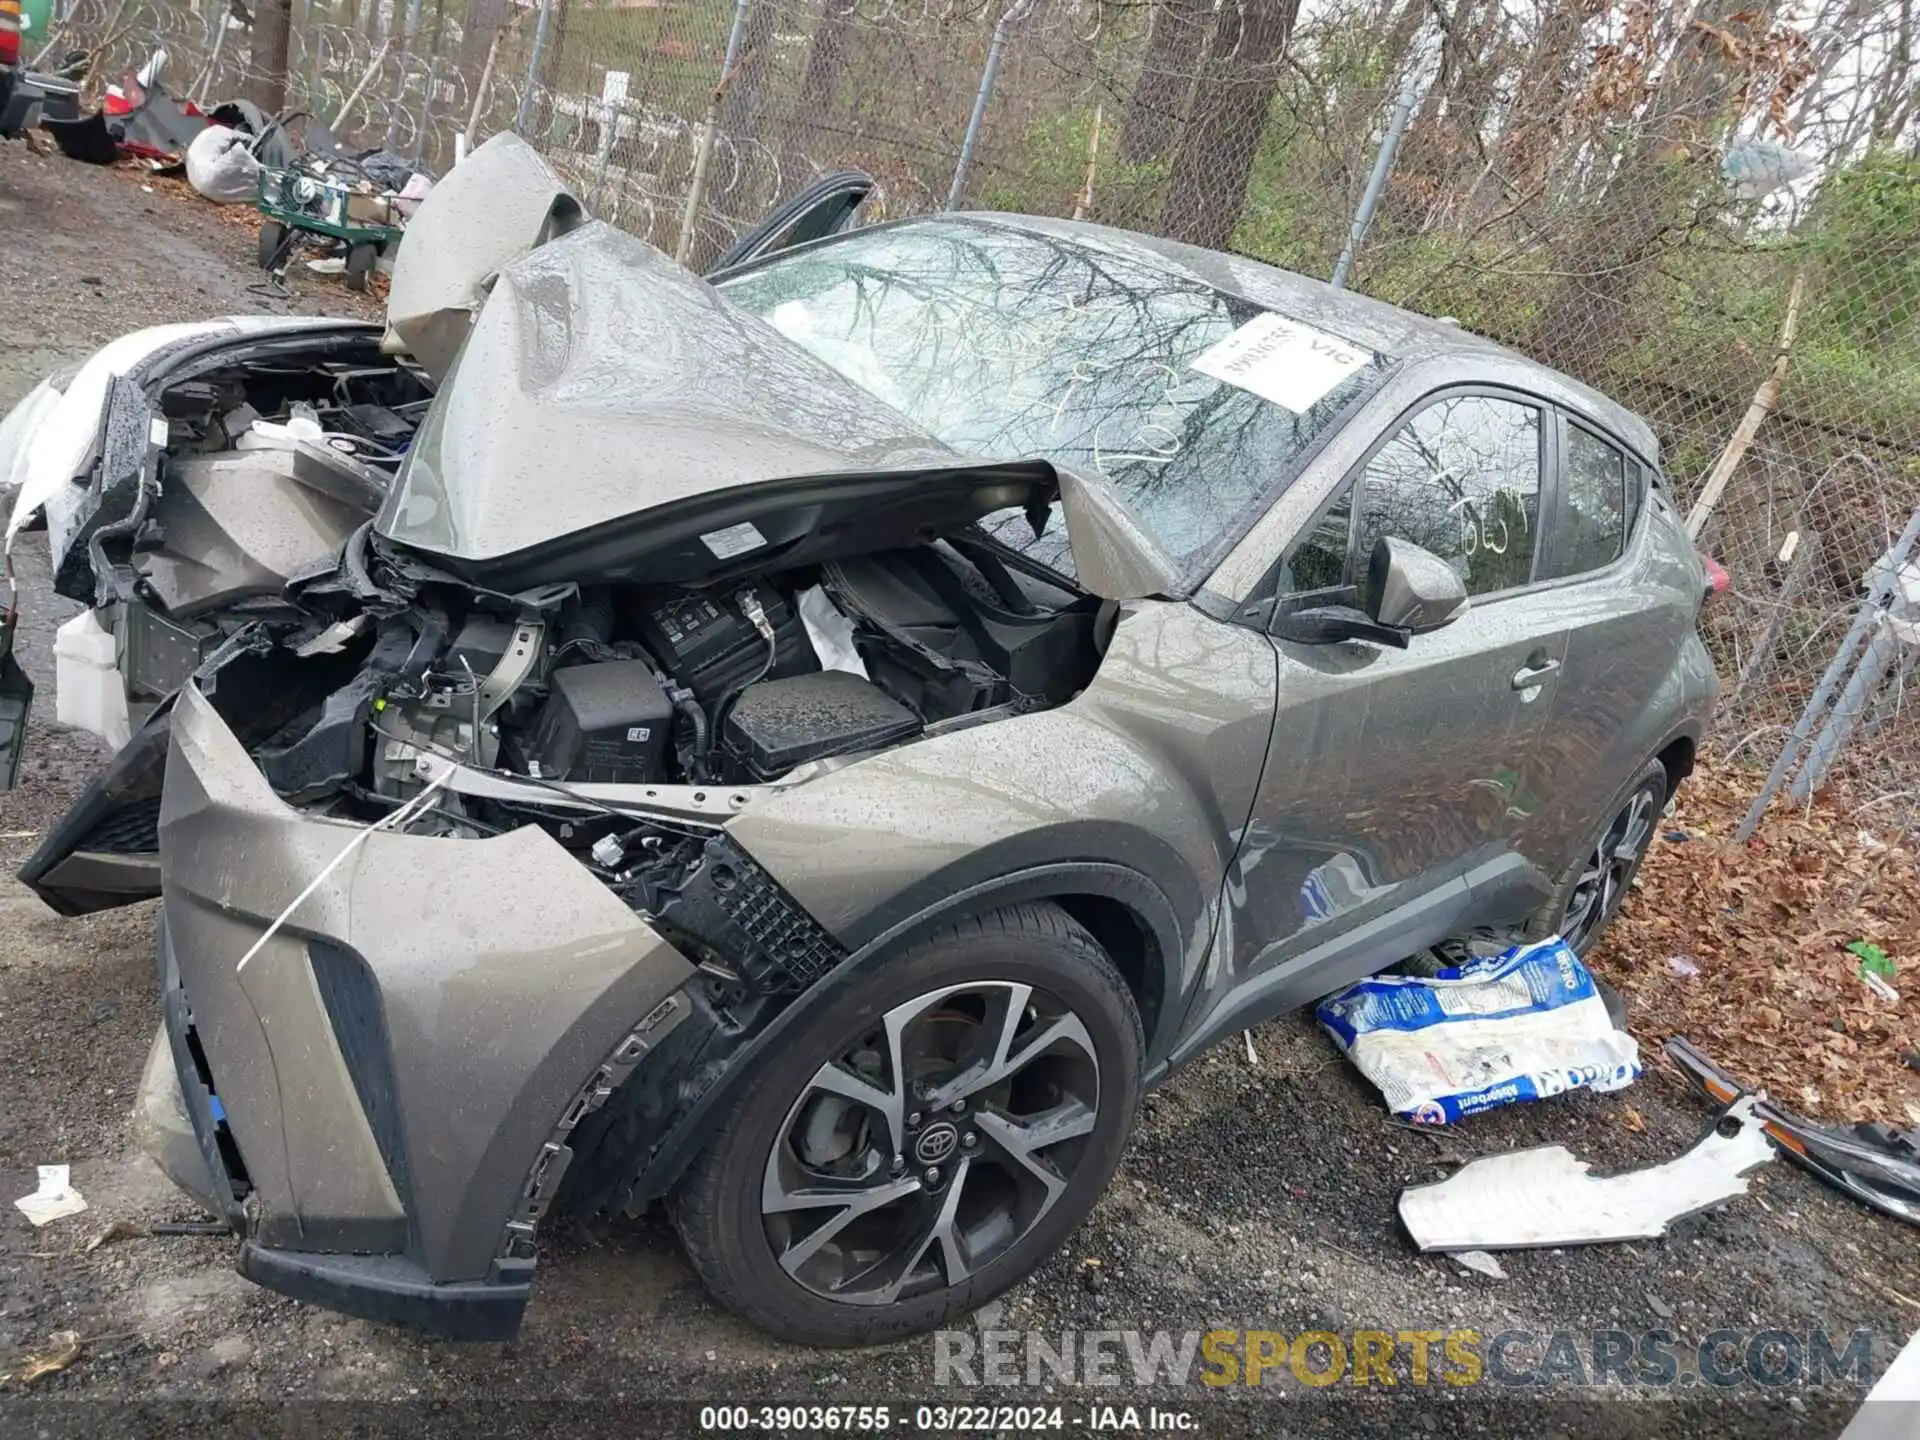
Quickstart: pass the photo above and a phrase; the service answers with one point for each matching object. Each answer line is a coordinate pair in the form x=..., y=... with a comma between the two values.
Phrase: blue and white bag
x=1520, y=1025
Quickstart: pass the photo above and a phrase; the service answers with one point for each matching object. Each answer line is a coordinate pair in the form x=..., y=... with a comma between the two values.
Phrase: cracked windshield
x=1010, y=345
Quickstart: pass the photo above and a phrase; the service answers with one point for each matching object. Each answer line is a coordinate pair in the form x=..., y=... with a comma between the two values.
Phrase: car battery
x=703, y=638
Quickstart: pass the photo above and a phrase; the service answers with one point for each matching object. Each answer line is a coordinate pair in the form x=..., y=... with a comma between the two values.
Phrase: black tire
x=1650, y=785
x=360, y=265
x=272, y=236
x=717, y=1208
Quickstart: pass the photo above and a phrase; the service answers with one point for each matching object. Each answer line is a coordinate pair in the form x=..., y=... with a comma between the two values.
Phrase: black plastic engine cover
x=779, y=724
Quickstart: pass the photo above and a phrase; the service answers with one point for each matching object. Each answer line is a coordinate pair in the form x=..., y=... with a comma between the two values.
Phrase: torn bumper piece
x=1875, y=1164
x=380, y=1089
x=1544, y=1196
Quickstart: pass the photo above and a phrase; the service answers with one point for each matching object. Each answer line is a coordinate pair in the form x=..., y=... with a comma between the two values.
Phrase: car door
x=1604, y=577
x=1400, y=788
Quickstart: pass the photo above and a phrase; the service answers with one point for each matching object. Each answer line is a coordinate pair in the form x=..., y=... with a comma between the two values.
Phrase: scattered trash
x=1873, y=960
x=1682, y=966
x=1253, y=1056
x=1876, y=1164
x=118, y=1230
x=328, y=265
x=1545, y=1196
x=55, y=1197
x=1659, y=1306
x=1523, y=1024
x=1880, y=987
x=63, y=1348
x=1633, y=1121
x=1481, y=1263
x=221, y=167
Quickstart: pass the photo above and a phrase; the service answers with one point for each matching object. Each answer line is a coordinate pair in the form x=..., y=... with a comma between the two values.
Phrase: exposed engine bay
x=623, y=718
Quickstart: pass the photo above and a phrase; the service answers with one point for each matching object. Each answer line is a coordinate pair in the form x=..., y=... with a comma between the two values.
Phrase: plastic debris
x=1521, y=1025
x=220, y=165
x=1875, y=1164
x=1545, y=1196
x=1480, y=1263
x=1682, y=966
x=1873, y=960
x=118, y=1230
x=63, y=1348
x=55, y=1197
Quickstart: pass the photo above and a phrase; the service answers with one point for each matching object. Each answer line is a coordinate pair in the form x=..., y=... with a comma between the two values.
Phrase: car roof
x=1383, y=328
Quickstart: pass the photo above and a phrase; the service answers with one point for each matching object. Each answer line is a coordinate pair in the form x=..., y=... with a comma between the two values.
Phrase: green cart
x=297, y=199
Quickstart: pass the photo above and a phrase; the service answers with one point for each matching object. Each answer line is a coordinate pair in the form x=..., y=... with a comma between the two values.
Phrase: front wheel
x=924, y=1139
x=273, y=236
x=1590, y=893
x=360, y=260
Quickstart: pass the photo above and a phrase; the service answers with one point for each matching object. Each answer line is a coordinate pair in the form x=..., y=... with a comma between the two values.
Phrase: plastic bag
x=221, y=167
x=1520, y=1025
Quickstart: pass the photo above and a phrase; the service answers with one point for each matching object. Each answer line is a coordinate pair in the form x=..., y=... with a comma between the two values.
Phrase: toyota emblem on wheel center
x=936, y=1143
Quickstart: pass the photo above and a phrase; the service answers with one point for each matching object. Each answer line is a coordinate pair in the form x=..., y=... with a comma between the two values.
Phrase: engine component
x=608, y=723
x=442, y=724
x=706, y=643
x=779, y=724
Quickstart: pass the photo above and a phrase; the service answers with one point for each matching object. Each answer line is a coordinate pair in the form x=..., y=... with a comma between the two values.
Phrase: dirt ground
x=1254, y=1195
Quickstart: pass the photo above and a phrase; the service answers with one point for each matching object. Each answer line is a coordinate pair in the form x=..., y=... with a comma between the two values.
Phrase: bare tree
x=267, y=68
x=1176, y=39
x=1207, y=189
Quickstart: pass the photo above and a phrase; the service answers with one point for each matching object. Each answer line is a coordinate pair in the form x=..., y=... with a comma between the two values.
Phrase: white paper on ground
x=1281, y=360
x=831, y=633
x=55, y=1197
x=1545, y=1196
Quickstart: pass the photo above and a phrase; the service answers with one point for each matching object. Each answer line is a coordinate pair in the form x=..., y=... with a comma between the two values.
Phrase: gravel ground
x=1255, y=1195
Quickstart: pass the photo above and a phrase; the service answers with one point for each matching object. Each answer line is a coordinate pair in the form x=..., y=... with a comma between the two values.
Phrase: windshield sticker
x=734, y=540
x=1293, y=365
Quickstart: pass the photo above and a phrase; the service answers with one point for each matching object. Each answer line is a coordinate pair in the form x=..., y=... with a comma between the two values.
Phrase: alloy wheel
x=1609, y=870
x=932, y=1144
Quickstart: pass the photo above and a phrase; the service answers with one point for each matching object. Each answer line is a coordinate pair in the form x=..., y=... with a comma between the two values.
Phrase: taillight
x=9, y=32
x=1717, y=579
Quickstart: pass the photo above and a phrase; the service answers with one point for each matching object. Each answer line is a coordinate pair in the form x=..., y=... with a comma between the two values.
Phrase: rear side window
x=1461, y=479
x=1594, y=517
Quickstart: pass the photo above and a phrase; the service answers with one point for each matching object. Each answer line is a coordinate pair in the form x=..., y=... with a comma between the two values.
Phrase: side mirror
x=1332, y=624
x=1411, y=589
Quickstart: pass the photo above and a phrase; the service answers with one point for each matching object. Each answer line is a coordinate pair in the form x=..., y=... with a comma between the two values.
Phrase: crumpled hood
x=601, y=379
x=610, y=413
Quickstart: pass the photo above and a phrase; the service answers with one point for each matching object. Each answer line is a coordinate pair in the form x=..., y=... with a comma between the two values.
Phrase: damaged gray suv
x=811, y=746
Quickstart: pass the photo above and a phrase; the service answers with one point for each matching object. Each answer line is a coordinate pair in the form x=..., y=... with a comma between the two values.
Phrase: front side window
x=1460, y=479
x=1592, y=522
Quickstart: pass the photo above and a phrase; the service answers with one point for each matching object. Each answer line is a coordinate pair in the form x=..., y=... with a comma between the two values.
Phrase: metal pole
x=703, y=158
x=1878, y=592
x=989, y=76
x=1377, y=181
x=524, y=115
x=353, y=98
x=406, y=54
x=426, y=112
x=1881, y=652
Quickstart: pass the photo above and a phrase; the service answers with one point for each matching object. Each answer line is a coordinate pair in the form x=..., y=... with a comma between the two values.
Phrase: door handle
x=1531, y=675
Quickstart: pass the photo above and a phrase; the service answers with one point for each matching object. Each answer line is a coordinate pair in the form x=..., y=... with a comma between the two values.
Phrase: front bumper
x=380, y=1090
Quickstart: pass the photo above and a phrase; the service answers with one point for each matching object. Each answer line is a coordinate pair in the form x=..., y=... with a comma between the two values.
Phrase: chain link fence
x=1709, y=210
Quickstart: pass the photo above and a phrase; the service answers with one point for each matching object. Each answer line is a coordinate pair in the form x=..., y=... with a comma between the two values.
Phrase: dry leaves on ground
x=1777, y=1000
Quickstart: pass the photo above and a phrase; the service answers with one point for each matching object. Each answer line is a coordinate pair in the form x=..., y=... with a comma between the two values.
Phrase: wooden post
x=1764, y=400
